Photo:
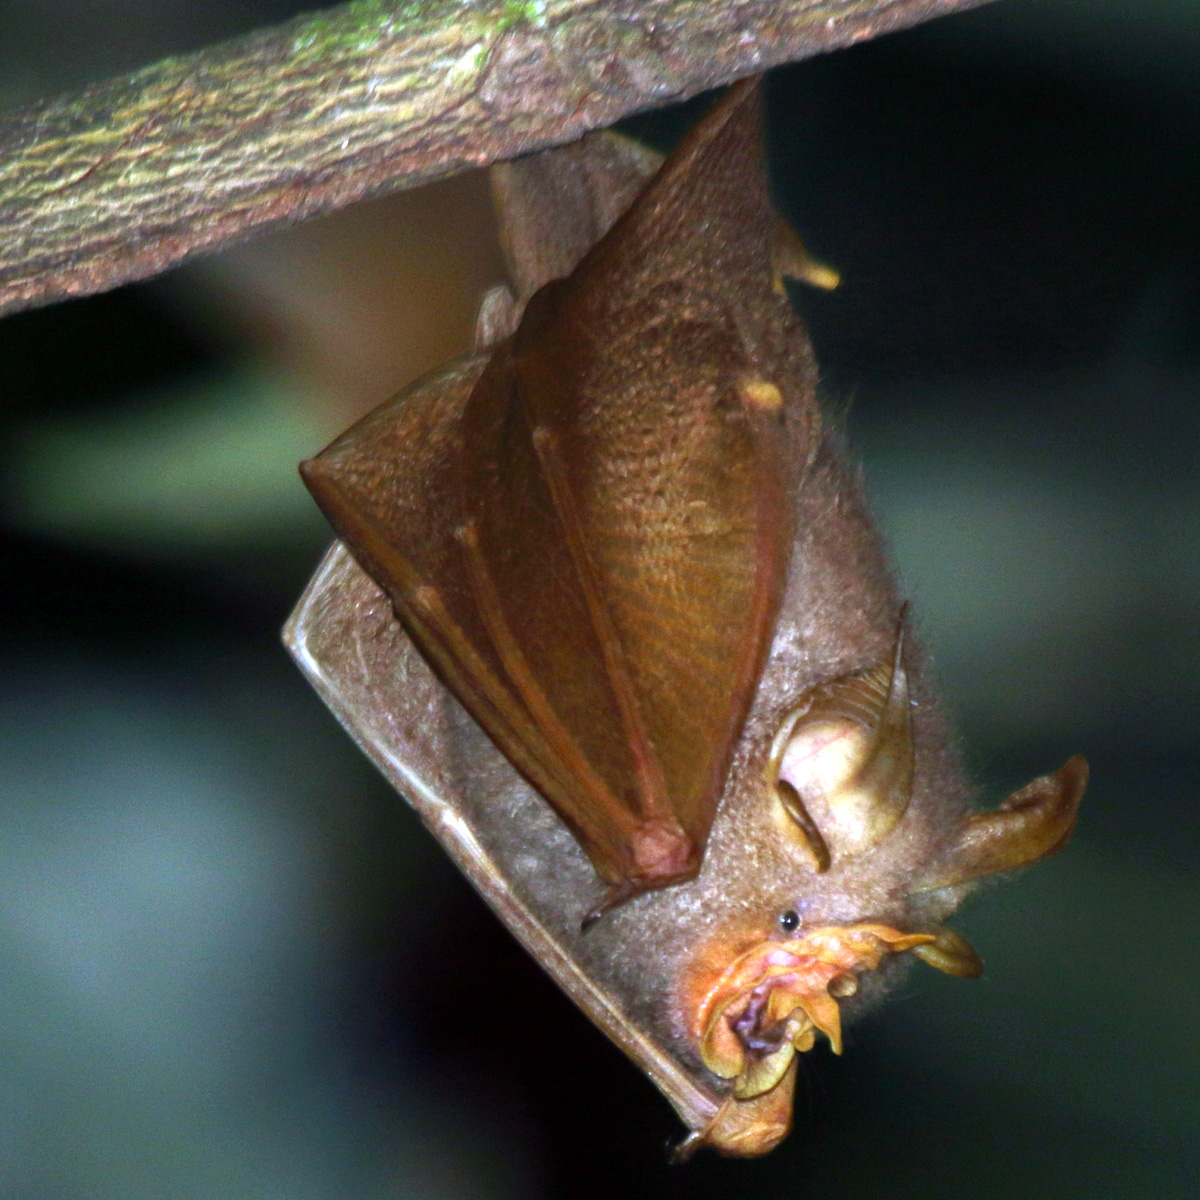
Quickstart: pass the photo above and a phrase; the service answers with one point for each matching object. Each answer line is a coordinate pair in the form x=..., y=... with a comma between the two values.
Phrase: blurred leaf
x=211, y=465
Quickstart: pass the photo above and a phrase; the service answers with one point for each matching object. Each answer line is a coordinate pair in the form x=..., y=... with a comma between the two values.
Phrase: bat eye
x=789, y=922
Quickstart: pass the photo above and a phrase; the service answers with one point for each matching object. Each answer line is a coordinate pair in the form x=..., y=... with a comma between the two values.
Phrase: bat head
x=837, y=784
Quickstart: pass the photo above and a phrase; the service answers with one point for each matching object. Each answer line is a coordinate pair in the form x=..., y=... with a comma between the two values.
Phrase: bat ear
x=844, y=754
x=1030, y=825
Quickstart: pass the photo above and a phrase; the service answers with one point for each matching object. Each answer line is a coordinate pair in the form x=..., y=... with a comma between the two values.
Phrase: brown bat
x=627, y=544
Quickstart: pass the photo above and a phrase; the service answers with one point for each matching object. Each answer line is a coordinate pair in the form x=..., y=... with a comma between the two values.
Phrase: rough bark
x=130, y=177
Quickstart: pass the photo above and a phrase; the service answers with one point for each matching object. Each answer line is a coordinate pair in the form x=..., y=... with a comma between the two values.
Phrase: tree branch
x=129, y=177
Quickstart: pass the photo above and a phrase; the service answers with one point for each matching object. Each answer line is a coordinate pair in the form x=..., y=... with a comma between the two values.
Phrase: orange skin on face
x=788, y=982
x=779, y=978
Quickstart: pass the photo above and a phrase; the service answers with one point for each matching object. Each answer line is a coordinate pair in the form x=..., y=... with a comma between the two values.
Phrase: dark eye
x=790, y=921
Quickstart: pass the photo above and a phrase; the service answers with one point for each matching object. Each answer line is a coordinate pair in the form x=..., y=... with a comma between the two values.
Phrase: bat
x=608, y=608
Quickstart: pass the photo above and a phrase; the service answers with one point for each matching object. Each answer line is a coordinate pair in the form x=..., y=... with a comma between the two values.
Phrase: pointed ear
x=1030, y=825
x=848, y=744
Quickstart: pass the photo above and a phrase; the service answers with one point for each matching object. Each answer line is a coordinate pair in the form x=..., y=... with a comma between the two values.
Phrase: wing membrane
x=589, y=534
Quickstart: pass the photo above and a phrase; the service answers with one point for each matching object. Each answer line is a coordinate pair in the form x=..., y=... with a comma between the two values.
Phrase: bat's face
x=842, y=864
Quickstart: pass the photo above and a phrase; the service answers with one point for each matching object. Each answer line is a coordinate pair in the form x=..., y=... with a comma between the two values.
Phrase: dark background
x=231, y=962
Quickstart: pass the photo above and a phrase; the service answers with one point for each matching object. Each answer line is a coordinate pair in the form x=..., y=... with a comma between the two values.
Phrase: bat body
x=624, y=539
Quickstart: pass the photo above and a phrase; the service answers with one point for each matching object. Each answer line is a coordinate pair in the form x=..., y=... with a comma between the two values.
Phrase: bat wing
x=595, y=550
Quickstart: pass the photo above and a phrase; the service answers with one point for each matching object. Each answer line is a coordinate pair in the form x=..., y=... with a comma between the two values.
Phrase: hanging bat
x=683, y=708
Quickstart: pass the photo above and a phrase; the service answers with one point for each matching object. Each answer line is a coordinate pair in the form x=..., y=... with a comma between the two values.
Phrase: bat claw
x=616, y=895
x=684, y=1149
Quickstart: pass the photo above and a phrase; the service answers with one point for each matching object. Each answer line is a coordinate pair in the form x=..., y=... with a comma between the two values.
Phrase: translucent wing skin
x=592, y=549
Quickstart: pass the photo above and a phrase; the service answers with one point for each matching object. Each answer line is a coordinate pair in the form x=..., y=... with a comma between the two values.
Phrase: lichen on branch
x=129, y=177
